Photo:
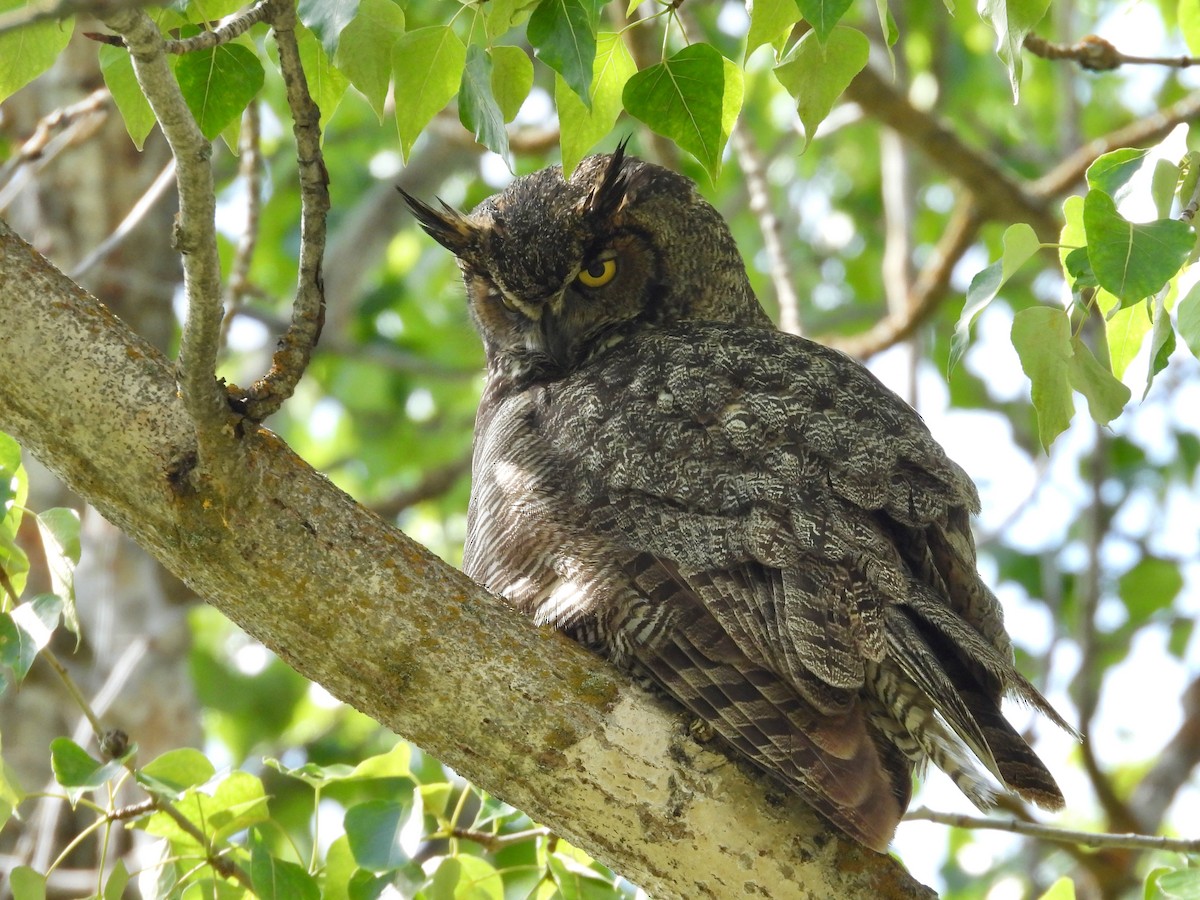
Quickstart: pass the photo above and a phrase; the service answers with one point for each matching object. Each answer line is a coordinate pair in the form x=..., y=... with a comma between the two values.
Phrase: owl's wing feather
x=809, y=510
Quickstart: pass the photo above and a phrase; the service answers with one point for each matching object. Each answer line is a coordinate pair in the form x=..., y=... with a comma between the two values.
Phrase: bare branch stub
x=1095, y=54
x=295, y=349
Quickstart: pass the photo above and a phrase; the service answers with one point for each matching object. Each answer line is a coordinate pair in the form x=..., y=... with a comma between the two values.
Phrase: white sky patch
x=325, y=418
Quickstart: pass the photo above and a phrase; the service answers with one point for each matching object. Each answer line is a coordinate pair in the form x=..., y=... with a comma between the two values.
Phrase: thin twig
x=1095, y=840
x=267, y=394
x=231, y=28
x=495, y=842
x=53, y=134
x=1098, y=55
x=928, y=290
x=145, y=203
x=195, y=231
x=768, y=224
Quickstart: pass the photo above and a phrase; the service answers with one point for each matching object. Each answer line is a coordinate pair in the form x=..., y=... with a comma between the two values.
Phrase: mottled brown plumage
x=748, y=520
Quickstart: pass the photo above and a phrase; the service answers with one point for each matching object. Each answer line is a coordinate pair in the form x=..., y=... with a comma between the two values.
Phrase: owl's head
x=556, y=270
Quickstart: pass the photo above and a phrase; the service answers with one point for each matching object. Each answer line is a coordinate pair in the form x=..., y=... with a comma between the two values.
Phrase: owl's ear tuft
x=610, y=190
x=447, y=225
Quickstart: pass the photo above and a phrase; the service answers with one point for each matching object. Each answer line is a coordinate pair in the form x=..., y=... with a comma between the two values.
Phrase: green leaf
x=1063, y=889
x=465, y=878
x=218, y=84
x=693, y=98
x=501, y=16
x=563, y=32
x=1020, y=243
x=1187, y=315
x=1125, y=330
x=326, y=84
x=1133, y=261
x=10, y=472
x=364, y=52
x=1163, y=183
x=1189, y=24
x=76, y=770
x=393, y=765
x=118, y=879
x=1162, y=342
x=427, y=65
x=1079, y=268
x=1181, y=884
x=24, y=632
x=278, y=879
x=59, y=530
x=172, y=773
x=477, y=107
x=27, y=884
x=580, y=126
x=1151, y=585
x=770, y=20
x=1042, y=338
x=1012, y=20
x=512, y=79
x=27, y=52
x=328, y=19
x=373, y=829
x=117, y=69
x=1112, y=171
x=817, y=75
x=1106, y=396
x=576, y=881
x=823, y=15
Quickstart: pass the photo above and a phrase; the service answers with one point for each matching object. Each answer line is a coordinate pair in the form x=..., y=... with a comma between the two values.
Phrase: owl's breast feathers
x=764, y=530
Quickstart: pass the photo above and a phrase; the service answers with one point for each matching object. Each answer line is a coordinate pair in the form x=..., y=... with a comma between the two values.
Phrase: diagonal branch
x=354, y=605
x=267, y=394
x=195, y=232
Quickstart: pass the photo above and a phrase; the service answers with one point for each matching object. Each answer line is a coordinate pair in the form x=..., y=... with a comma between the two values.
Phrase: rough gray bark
x=354, y=605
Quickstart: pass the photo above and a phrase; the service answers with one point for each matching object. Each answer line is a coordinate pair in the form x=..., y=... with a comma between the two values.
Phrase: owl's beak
x=555, y=339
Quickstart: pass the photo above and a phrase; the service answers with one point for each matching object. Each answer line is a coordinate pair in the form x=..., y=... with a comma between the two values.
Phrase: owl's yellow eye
x=599, y=273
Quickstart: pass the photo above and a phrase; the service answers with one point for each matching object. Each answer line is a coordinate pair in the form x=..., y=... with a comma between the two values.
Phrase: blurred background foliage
x=1094, y=548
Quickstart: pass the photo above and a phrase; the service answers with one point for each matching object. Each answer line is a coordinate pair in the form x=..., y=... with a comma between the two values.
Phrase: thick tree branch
x=195, y=233
x=377, y=620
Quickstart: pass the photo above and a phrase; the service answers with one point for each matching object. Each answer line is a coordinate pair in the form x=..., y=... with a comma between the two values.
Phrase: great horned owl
x=745, y=519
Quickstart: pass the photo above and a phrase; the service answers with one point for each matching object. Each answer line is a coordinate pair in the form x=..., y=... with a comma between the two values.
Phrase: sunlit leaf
x=1012, y=20
x=1187, y=314
x=1152, y=584
x=27, y=52
x=1112, y=171
x=364, y=52
x=1020, y=243
x=1163, y=183
x=1063, y=889
x=512, y=79
x=1042, y=338
x=1189, y=24
x=465, y=878
x=769, y=21
x=1131, y=260
x=27, y=883
x=117, y=69
x=693, y=98
x=59, y=530
x=580, y=126
x=816, y=74
x=118, y=880
x=175, y=771
x=1162, y=343
x=427, y=65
